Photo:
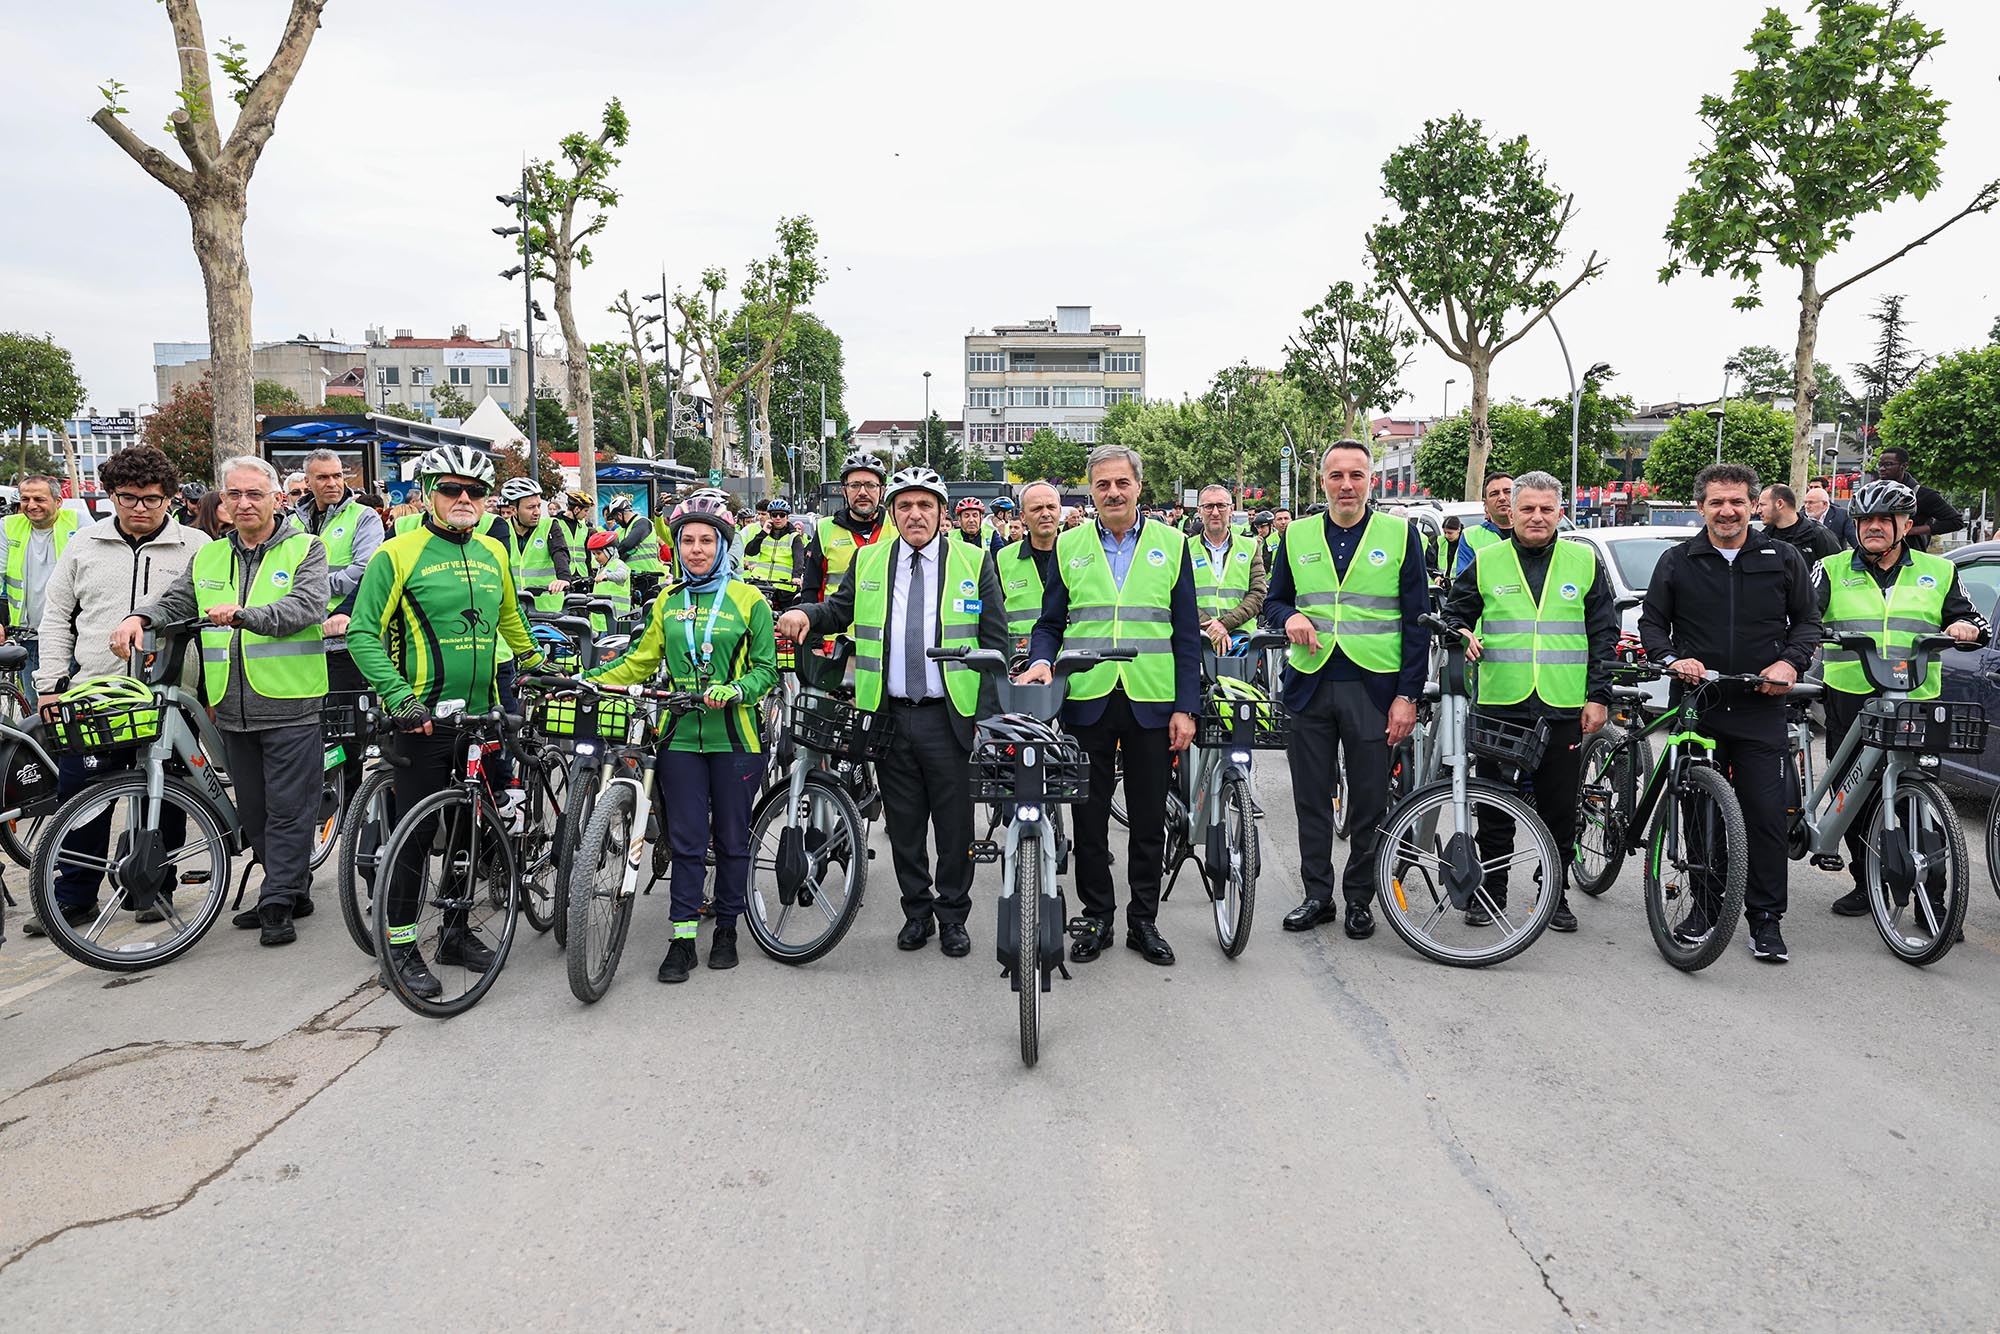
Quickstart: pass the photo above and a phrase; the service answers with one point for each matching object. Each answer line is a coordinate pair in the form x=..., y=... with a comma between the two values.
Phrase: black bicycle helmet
x=1883, y=498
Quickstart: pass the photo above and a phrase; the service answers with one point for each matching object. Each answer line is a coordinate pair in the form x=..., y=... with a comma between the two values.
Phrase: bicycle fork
x=1026, y=837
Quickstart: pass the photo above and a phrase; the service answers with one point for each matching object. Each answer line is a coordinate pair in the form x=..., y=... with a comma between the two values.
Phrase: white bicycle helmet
x=455, y=461
x=917, y=479
x=862, y=461
x=518, y=488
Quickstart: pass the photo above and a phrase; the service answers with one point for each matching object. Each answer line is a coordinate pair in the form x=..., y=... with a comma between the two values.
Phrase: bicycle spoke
x=1494, y=909
x=103, y=920
x=1512, y=860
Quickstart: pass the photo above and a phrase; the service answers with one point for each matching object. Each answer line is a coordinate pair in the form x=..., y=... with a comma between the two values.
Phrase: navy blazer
x=1185, y=612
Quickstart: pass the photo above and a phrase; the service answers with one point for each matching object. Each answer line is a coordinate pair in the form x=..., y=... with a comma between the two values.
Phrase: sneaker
x=1694, y=928
x=722, y=947
x=80, y=916
x=1854, y=903
x=680, y=960
x=1766, y=944
x=247, y=920
x=460, y=947
x=416, y=978
x=276, y=924
x=154, y=911
x=1562, y=919
x=302, y=906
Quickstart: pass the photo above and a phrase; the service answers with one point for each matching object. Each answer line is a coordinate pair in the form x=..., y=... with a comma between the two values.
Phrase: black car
x=1965, y=673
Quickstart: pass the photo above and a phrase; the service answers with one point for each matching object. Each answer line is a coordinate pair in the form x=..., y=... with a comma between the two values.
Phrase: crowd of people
x=303, y=587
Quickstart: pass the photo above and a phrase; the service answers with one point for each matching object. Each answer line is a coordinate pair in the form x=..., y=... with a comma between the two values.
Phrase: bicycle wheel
x=23, y=777
x=332, y=802
x=1028, y=903
x=1919, y=924
x=1694, y=897
x=808, y=871
x=145, y=870
x=1236, y=899
x=600, y=911
x=539, y=840
x=1427, y=849
x=1605, y=796
x=577, y=810
x=1402, y=774
x=355, y=869
x=1340, y=810
x=1993, y=842
x=462, y=893
x=1118, y=787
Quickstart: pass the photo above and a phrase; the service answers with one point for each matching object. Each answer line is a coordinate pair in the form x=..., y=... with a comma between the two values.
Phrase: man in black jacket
x=1734, y=603
x=1935, y=515
x=1779, y=509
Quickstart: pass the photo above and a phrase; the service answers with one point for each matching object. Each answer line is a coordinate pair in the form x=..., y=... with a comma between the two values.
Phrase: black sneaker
x=722, y=947
x=276, y=924
x=247, y=920
x=418, y=980
x=1562, y=919
x=1854, y=903
x=1478, y=914
x=78, y=916
x=458, y=946
x=680, y=960
x=302, y=906
x=1694, y=928
x=1766, y=945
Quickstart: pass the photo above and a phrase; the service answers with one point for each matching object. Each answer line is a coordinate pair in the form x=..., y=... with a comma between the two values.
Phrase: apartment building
x=1060, y=374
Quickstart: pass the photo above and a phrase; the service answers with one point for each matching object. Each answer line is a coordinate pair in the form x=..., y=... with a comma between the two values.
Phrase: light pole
x=927, y=419
x=1728, y=368
x=1575, y=409
x=526, y=270
x=1447, y=398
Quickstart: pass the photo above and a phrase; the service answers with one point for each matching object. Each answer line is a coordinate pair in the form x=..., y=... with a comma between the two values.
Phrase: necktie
x=915, y=614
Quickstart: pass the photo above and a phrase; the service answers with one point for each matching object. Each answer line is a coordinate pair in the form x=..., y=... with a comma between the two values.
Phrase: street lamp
x=927, y=419
x=525, y=270
x=1728, y=368
x=1447, y=398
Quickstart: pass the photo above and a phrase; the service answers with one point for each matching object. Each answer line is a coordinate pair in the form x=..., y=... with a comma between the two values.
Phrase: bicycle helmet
x=618, y=504
x=1232, y=690
x=550, y=640
x=916, y=479
x=862, y=461
x=704, y=509
x=1003, y=505
x=598, y=541
x=577, y=498
x=970, y=505
x=1883, y=498
x=1022, y=729
x=778, y=507
x=1262, y=517
x=518, y=488
x=455, y=461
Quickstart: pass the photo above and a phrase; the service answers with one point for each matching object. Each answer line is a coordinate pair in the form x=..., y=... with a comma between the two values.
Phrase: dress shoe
x=1091, y=938
x=1854, y=903
x=459, y=947
x=1360, y=923
x=679, y=961
x=418, y=980
x=722, y=945
x=1145, y=937
x=915, y=932
x=1310, y=914
x=1562, y=919
x=275, y=920
x=954, y=939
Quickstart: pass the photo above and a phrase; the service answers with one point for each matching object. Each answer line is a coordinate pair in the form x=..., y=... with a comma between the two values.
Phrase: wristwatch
x=1411, y=700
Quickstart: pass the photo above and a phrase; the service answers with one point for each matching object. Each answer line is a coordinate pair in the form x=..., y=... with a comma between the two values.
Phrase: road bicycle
x=1024, y=763
x=1914, y=866
x=1454, y=841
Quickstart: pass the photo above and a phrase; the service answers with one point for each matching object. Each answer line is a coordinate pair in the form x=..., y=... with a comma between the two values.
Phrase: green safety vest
x=1528, y=648
x=1021, y=581
x=1478, y=537
x=535, y=565
x=837, y=546
x=18, y=528
x=1220, y=584
x=613, y=583
x=645, y=558
x=958, y=615
x=773, y=561
x=574, y=536
x=289, y=667
x=1362, y=614
x=1913, y=608
x=1140, y=615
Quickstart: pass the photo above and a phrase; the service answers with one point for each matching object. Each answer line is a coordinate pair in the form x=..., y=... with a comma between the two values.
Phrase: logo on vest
x=280, y=578
x=1156, y=557
x=1505, y=590
x=1852, y=582
x=871, y=585
x=1309, y=558
x=336, y=532
x=213, y=583
x=1242, y=557
x=1201, y=562
x=1013, y=584
x=1078, y=562
x=1378, y=557
x=967, y=586
x=1926, y=581
x=1569, y=592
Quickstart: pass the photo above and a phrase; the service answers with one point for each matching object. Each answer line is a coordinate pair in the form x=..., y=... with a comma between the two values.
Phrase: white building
x=1059, y=374
x=408, y=370
x=96, y=437
x=887, y=438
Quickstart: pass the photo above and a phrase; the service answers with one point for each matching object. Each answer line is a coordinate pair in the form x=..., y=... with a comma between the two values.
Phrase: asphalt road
x=1321, y=1134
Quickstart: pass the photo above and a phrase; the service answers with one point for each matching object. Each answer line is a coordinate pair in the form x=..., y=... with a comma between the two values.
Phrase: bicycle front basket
x=1933, y=725
x=581, y=716
x=1065, y=770
x=1241, y=722
x=344, y=718
x=81, y=726
x=833, y=726
x=1517, y=745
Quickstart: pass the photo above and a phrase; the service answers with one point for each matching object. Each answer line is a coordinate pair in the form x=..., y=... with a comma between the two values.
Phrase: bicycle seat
x=13, y=657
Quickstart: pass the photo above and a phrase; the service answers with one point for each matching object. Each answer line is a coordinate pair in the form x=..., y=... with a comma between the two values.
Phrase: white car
x=1630, y=556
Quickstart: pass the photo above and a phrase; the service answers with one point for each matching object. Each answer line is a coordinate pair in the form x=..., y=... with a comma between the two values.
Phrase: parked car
x=1630, y=556
x=1965, y=673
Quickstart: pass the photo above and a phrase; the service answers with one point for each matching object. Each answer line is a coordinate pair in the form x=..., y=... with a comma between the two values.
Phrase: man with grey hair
x=296, y=492
x=30, y=542
x=1228, y=568
x=1123, y=582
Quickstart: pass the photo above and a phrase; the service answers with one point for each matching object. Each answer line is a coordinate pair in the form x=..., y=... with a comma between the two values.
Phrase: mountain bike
x=1024, y=763
x=1609, y=773
x=1914, y=867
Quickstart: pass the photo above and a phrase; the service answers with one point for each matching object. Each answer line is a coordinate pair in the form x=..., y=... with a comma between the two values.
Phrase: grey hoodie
x=98, y=581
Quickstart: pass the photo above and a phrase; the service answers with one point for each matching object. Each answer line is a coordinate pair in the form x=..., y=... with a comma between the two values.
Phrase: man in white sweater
x=107, y=570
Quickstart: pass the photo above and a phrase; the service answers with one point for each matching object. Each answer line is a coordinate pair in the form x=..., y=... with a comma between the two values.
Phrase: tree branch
x=1983, y=202
x=191, y=49
x=1397, y=285
x=259, y=116
x=157, y=164
x=191, y=142
x=1591, y=268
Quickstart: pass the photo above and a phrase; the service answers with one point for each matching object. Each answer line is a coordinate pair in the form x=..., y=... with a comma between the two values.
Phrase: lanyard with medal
x=704, y=662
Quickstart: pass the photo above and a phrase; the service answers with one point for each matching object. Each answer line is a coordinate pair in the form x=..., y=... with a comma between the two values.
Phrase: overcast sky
x=1198, y=173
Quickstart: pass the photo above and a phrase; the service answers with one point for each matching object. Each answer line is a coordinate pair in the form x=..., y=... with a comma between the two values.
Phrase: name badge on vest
x=871, y=585
x=1200, y=562
x=1505, y=590
x=966, y=606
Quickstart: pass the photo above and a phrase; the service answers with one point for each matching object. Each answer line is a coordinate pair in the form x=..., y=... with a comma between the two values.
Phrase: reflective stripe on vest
x=14, y=582
x=1021, y=582
x=535, y=565
x=1102, y=615
x=288, y=667
x=958, y=620
x=1529, y=649
x=1362, y=614
x=1913, y=608
x=1221, y=583
x=644, y=558
x=614, y=584
x=773, y=561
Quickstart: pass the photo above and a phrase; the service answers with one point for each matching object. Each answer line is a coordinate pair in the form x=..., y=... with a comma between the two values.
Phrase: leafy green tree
x=510, y=463
x=1598, y=414
x=183, y=429
x=553, y=427
x=408, y=412
x=1350, y=353
x=38, y=387
x=1993, y=334
x=1895, y=363
x=448, y=403
x=1765, y=371
x=1521, y=440
x=1477, y=231
x=1047, y=457
x=1163, y=435
x=1949, y=420
x=1751, y=433
x=612, y=397
x=952, y=461
x=1812, y=136
x=273, y=399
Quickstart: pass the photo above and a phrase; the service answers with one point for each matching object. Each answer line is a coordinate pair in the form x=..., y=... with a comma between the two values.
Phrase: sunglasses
x=453, y=490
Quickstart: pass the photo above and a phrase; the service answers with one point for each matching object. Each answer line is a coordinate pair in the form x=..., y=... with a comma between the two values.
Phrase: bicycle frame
x=192, y=745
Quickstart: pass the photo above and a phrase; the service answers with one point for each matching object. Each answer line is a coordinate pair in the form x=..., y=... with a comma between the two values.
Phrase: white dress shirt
x=900, y=611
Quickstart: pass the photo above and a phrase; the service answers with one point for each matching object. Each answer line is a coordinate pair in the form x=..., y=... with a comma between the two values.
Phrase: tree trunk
x=1481, y=444
x=577, y=361
x=625, y=401
x=765, y=456
x=217, y=220
x=1810, y=302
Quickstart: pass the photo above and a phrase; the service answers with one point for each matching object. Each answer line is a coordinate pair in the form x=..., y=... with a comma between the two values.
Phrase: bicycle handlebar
x=992, y=661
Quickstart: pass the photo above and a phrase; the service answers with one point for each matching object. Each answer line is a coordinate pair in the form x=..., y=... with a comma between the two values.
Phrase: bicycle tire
x=18, y=837
x=1698, y=782
x=1605, y=795
x=1341, y=812
x=1913, y=791
x=1232, y=925
x=326, y=832
x=125, y=956
x=766, y=824
x=1028, y=903
x=361, y=837
x=538, y=847
x=1396, y=858
x=1993, y=842
x=596, y=895
x=576, y=814
x=1118, y=812
x=506, y=905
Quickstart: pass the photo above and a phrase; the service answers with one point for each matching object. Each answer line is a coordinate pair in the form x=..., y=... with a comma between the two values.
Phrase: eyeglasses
x=233, y=495
x=1216, y=505
x=454, y=490
x=295, y=495
x=863, y=486
x=132, y=502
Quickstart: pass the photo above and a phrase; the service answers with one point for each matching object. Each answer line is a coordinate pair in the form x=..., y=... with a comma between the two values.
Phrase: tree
x=1949, y=419
x=1993, y=334
x=448, y=403
x=1597, y=415
x=646, y=422
x=1895, y=363
x=1520, y=441
x=951, y=460
x=611, y=398
x=38, y=387
x=1350, y=353
x=1766, y=373
x=214, y=187
x=813, y=358
x=272, y=399
x=1810, y=138
x=557, y=246
x=1047, y=457
x=554, y=428
x=1751, y=433
x=184, y=430
x=1164, y=435
x=509, y=463
x=1478, y=231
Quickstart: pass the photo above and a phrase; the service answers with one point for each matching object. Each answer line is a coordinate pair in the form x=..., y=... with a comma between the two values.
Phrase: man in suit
x=1123, y=582
x=1818, y=505
x=904, y=597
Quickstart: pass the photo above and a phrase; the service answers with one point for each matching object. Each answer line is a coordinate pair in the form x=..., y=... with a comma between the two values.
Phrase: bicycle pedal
x=985, y=852
x=1829, y=861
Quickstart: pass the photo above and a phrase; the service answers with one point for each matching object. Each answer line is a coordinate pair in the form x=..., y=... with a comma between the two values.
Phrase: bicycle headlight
x=1028, y=814
x=1926, y=760
x=1239, y=757
x=585, y=748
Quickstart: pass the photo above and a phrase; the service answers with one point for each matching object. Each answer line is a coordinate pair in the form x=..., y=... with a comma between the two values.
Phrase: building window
x=496, y=375
x=1120, y=396
x=983, y=361
x=1019, y=433
x=1122, y=363
x=1080, y=432
x=458, y=375
x=988, y=433
x=389, y=375
x=1028, y=396
x=1077, y=396
x=423, y=375
x=985, y=398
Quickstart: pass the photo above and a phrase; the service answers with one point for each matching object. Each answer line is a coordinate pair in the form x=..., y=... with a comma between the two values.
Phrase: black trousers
x=927, y=790
x=1842, y=709
x=1146, y=772
x=1339, y=724
x=278, y=776
x=423, y=765
x=1752, y=751
x=1554, y=783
